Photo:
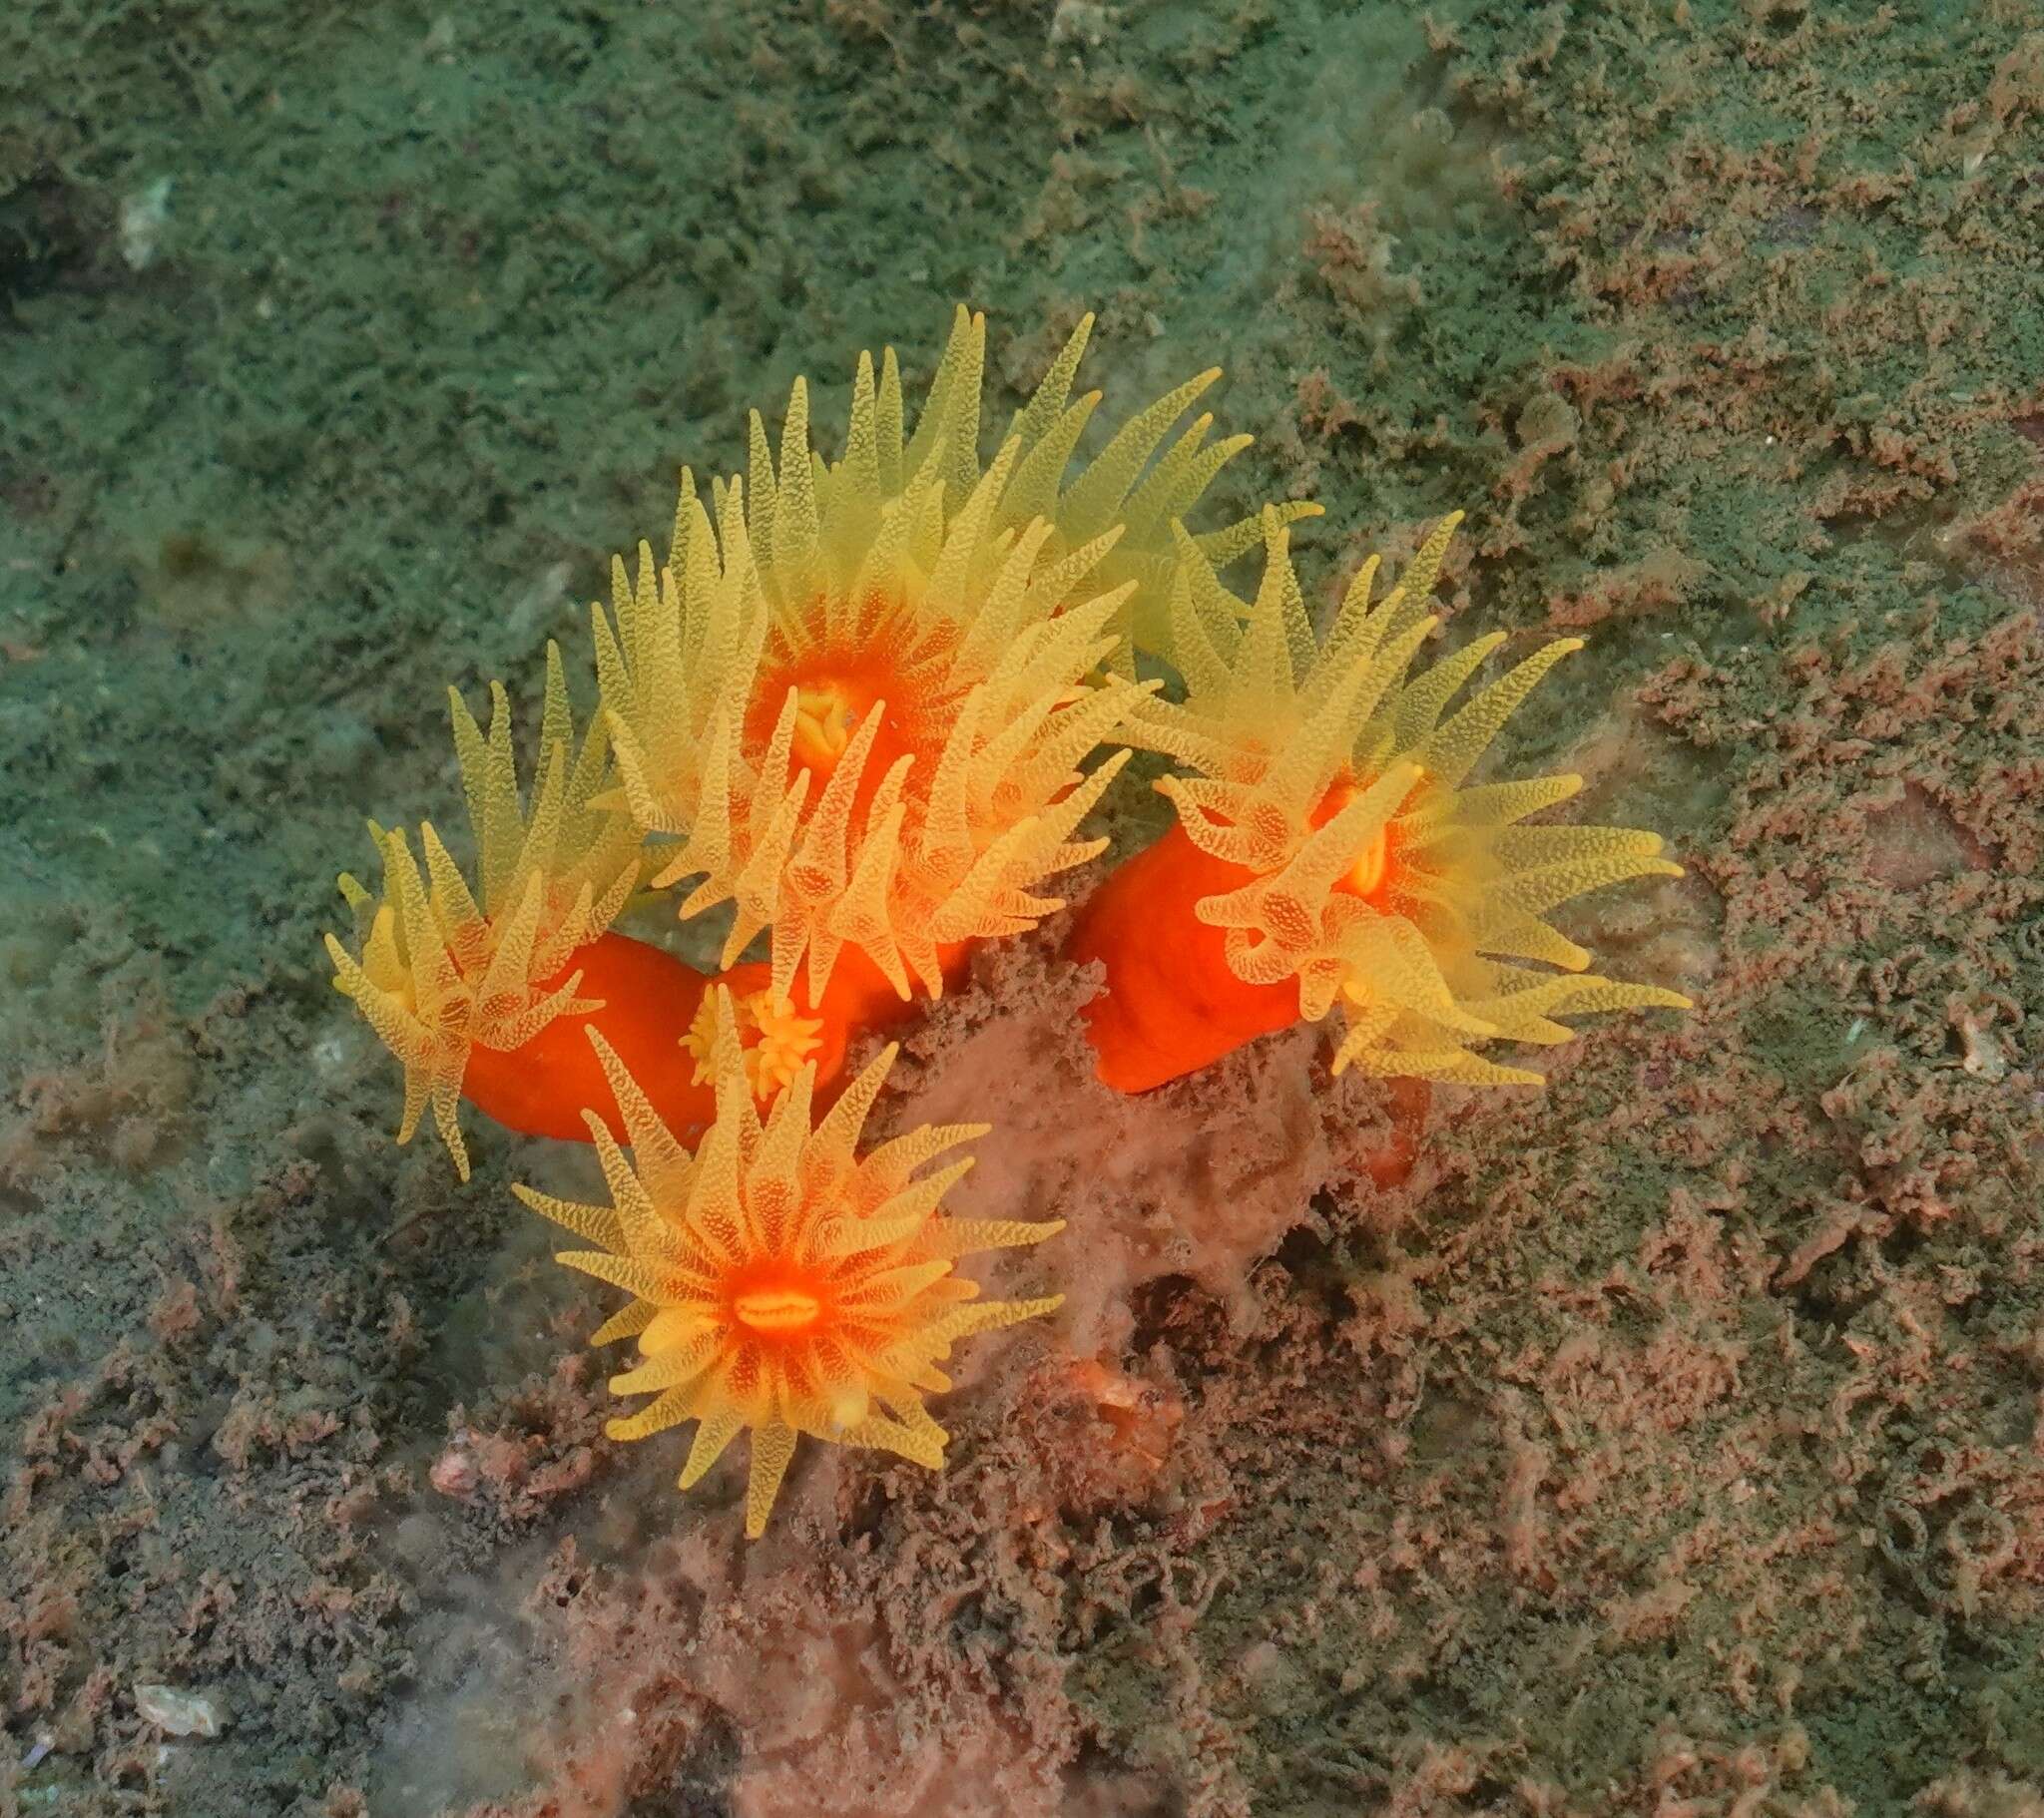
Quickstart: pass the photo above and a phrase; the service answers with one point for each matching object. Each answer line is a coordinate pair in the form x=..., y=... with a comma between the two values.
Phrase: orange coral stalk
x=1173, y=1004
x=644, y=1001
x=783, y=1282
x=656, y=1013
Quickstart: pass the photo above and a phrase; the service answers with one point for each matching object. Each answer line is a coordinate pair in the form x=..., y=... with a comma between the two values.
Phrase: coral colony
x=855, y=701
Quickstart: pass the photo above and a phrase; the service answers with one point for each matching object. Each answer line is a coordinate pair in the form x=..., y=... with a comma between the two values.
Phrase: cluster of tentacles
x=863, y=708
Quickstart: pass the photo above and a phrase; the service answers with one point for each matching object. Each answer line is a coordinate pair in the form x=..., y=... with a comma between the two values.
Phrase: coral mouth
x=825, y=721
x=1372, y=870
x=837, y=693
x=776, y=1311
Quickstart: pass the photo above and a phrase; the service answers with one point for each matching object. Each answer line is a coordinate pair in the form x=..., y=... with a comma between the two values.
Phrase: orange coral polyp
x=854, y=690
x=455, y=971
x=785, y=1279
x=1413, y=899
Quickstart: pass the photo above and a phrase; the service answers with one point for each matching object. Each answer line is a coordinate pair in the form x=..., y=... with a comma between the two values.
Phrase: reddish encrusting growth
x=1409, y=1101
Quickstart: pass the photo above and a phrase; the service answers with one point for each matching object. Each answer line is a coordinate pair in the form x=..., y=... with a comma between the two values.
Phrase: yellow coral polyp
x=852, y=692
x=1379, y=877
x=445, y=969
x=777, y=1039
x=783, y=1283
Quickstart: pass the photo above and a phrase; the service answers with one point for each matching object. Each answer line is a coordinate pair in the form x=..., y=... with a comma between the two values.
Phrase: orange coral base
x=1173, y=1004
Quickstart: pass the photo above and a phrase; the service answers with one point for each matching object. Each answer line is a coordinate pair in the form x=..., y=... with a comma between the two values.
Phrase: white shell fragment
x=181, y=1713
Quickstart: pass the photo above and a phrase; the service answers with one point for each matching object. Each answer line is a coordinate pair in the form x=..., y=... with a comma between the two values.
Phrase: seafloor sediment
x=1671, y=1440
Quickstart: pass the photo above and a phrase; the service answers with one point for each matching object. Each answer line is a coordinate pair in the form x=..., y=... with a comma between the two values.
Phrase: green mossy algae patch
x=1662, y=1442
